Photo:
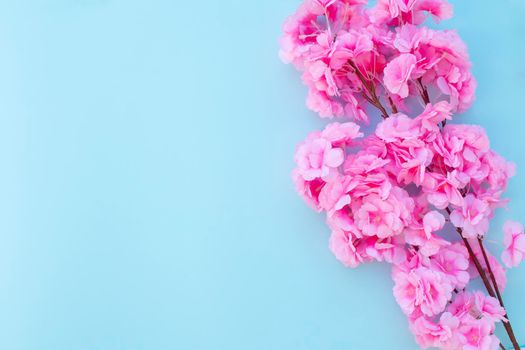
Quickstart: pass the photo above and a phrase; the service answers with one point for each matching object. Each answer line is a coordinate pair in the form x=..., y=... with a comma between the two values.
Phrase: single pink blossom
x=341, y=134
x=453, y=261
x=320, y=102
x=441, y=334
x=391, y=250
x=514, y=243
x=316, y=158
x=398, y=73
x=421, y=289
x=308, y=190
x=350, y=45
x=472, y=217
x=478, y=335
x=383, y=218
x=442, y=190
x=348, y=248
x=433, y=221
x=398, y=127
x=335, y=194
x=408, y=37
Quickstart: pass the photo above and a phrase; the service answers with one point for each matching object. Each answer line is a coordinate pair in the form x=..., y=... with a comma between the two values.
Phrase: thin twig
x=506, y=323
x=486, y=283
x=370, y=95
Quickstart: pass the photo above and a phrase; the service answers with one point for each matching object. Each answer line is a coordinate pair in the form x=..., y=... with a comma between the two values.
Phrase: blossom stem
x=392, y=105
x=491, y=273
x=490, y=290
x=506, y=324
x=423, y=91
x=370, y=95
x=486, y=282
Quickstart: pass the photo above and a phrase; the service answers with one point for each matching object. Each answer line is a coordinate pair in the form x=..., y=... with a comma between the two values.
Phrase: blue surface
x=145, y=197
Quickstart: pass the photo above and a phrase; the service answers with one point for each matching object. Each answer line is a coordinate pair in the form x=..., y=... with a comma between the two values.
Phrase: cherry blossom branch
x=369, y=86
x=506, y=323
x=475, y=260
x=486, y=282
x=423, y=91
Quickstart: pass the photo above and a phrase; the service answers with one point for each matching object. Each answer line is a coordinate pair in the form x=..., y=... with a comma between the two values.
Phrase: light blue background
x=145, y=196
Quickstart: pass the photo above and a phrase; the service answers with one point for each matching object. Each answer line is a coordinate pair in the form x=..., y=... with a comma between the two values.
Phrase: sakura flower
x=335, y=194
x=397, y=127
x=316, y=158
x=472, y=217
x=320, y=6
x=488, y=307
x=383, y=218
x=478, y=314
x=433, y=221
x=433, y=115
x=453, y=261
x=348, y=248
x=350, y=45
x=443, y=190
x=299, y=33
x=421, y=289
x=478, y=335
x=411, y=11
x=391, y=250
x=439, y=9
x=428, y=244
x=442, y=335
x=413, y=163
x=499, y=170
x=320, y=102
x=341, y=134
x=408, y=37
x=514, y=242
x=308, y=190
x=398, y=73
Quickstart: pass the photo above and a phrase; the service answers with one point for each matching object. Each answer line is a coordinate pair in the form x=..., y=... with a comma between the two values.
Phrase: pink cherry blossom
x=341, y=134
x=383, y=218
x=442, y=334
x=320, y=102
x=316, y=158
x=335, y=194
x=443, y=190
x=350, y=45
x=411, y=11
x=478, y=335
x=453, y=261
x=421, y=290
x=398, y=74
x=347, y=248
x=391, y=250
x=433, y=221
x=472, y=217
x=397, y=128
x=514, y=242
x=308, y=190
x=408, y=37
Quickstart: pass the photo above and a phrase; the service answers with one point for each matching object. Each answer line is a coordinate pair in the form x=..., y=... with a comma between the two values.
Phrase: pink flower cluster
x=392, y=195
x=338, y=43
